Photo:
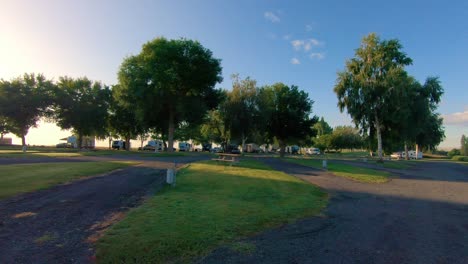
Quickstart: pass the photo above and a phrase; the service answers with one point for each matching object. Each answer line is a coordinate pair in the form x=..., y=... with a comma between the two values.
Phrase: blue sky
x=296, y=42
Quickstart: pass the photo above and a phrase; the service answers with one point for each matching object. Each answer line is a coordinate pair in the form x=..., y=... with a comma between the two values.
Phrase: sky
x=303, y=43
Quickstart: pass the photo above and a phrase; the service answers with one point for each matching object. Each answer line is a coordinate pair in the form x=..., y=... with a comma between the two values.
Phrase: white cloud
x=272, y=17
x=297, y=44
x=317, y=55
x=459, y=118
x=295, y=61
x=306, y=44
x=308, y=27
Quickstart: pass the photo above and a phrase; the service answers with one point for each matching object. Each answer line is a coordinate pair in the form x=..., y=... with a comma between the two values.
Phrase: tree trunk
x=244, y=139
x=170, y=136
x=417, y=151
x=23, y=142
x=80, y=141
x=110, y=142
x=406, y=152
x=379, y=137
x=1, y=136
x=127, y=143
x=282, y=148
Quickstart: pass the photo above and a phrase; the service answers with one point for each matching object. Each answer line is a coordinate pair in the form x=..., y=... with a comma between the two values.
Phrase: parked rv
x=153, y=145
x=119, y=144
x=252, y=148
x=184, y=146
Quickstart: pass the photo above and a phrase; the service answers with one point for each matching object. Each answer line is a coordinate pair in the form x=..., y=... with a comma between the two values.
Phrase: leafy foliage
x=364, y=88
x=288, y=113
x=82, y=105
x=123, y=119
x=171, y=81
x=23, y=101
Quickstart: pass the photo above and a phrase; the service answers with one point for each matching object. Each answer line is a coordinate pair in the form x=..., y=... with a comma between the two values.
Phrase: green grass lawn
x=57, y=153
x=211, y=205
x=348, y=171
x=20, y=178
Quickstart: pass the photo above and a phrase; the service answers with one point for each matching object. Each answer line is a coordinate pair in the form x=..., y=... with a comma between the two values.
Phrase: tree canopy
x=171, y=81
x=23, y=101
x=288, y=114
x=82, y=105
x=364, y=87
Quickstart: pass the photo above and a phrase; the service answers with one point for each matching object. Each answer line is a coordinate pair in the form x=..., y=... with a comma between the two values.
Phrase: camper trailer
x=72, y=141
x=119, y=144
x=252, y=148
x=184, y=146
x=153, y=145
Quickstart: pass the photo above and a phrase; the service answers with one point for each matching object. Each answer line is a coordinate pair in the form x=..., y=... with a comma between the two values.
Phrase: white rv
x=184, y=146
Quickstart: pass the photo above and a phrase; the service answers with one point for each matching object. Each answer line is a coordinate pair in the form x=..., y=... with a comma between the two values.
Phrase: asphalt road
x=419, y=217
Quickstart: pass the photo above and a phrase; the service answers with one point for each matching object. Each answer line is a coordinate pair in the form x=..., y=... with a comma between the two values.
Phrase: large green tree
x=364, y=87
x=345, y=137
x=171, y=81
x=82, y=105
x=415, y=120
x=23, y=101
x=288, y=114
x=241, y=108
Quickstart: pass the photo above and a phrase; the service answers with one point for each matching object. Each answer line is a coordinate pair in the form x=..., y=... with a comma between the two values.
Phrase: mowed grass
x=21, y=178
x=211, y=205
x=57, y=153
x=347, y=171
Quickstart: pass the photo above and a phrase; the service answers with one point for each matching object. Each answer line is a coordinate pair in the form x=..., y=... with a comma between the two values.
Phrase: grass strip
x=20, y=178
x=210, y=206
x=347, y=171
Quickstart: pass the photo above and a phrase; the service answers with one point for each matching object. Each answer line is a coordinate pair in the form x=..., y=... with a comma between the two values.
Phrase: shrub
x=460, y=158
x=454, y=152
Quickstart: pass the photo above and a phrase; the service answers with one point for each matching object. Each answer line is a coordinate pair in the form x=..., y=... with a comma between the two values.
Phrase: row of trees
x=78, y=104
x=168, y=90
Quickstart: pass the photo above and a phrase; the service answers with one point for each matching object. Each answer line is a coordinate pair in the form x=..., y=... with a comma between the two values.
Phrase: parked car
x=206, y=147
x=313, y=151
x=396, y=155
x=216, y=150
x=148, y=147
x=64, y=145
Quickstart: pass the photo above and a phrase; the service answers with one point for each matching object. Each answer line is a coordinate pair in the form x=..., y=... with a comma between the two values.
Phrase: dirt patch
x=100, y=227
x=57, y=225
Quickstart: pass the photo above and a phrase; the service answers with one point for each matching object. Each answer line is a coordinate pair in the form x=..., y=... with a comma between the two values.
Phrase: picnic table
x=227, y=157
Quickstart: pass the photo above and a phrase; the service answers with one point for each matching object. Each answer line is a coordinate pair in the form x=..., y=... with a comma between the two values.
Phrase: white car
x=313, y=151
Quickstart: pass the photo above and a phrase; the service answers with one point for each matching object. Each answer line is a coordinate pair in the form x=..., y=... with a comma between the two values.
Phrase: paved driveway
x=420, y=217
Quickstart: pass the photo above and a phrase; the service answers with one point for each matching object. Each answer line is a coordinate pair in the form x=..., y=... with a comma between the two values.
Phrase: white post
x=324, y=164
x=170, y=177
